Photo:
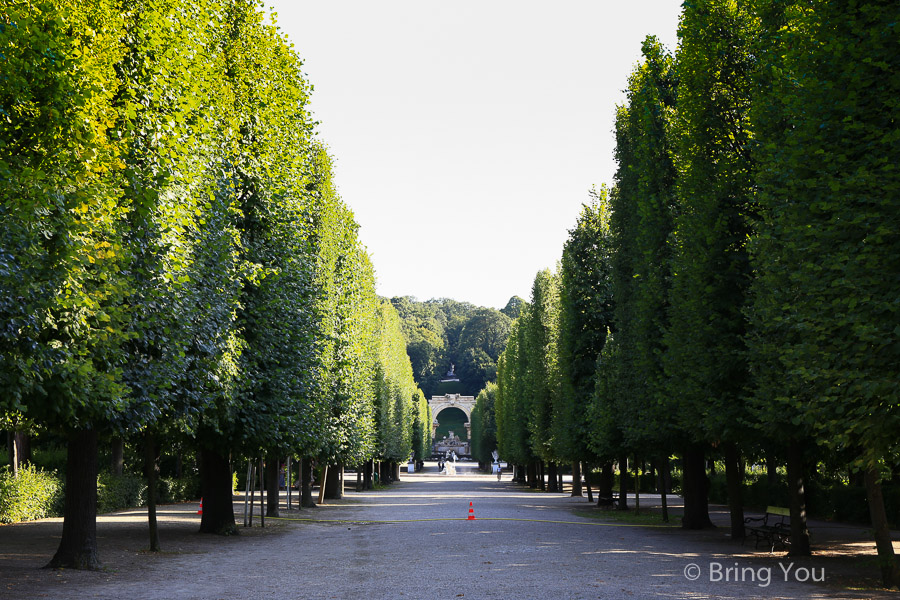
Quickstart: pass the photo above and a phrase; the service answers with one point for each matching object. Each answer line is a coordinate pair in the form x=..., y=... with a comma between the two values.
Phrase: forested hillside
x=442, y=333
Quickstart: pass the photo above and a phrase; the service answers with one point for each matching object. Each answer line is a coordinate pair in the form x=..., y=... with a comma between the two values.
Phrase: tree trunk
x=887, y=561
x=605, y=485
x=734, y=478
x=532, y=475
x=542, y=474
x=623, y=483
x=576, y=479
x=78, y=546
x=796, y=475
x=587, y=482
x=151, y=472
x=637, y=486
x=306, y=500
x=117, y=461
x=663, y=473
x=552, y=479
x=272, y=487
x=19, y=446
x=367, y=475
x=215, y=489
x=696, y=488
x=333, y=483
x=13, y=452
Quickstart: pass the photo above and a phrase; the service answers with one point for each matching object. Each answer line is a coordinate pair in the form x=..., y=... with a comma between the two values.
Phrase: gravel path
x=412, y=540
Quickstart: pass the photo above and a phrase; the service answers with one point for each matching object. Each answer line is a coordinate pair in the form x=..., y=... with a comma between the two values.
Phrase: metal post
x=288, y=482
x=247, y=489
x=262, y=486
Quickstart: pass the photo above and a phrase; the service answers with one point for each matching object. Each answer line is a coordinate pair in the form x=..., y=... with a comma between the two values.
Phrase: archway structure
x=464, y=403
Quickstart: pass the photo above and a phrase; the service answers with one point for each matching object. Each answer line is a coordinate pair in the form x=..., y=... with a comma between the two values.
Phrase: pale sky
x=466, y=135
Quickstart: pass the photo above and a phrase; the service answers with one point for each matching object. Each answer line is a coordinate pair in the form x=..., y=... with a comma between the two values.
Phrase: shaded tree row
x=176, y=266
x=728, y=298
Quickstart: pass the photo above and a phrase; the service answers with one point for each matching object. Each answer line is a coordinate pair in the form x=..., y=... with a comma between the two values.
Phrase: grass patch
x=646, y=517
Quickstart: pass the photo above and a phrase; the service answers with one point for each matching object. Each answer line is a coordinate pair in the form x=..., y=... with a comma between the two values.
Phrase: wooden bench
x=773, y=528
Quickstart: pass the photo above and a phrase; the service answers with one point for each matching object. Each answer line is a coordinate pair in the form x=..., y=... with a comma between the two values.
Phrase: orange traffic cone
x=200, y=512
x=471, y=513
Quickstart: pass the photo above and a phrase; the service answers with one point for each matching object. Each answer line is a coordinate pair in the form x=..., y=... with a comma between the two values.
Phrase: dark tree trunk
x=306, y=500
x=367, y=475
x=637, y=486
x=734, y=477
x=385, y=472
x=333, y=483
x=215, y=489
x=117, y=460
x=542, y=474
x=623, y=483
x=576, y=479
x=887, y=561
x=587, y=482
x=771, y=475
x=151, y=472
x=532, y=475
x=78, y=546
x=796, y=474
x=272, y=491
x=696, y=488
x=552, y=479
x=607, y=480
x=663, y=473
x=19, y=447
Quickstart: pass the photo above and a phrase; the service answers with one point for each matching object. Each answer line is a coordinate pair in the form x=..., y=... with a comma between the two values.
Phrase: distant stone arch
x=463, y=403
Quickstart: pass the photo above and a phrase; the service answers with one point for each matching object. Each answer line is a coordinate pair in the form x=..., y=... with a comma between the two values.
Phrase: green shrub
x=178, y=489
x=34, y=494
x=115, y=492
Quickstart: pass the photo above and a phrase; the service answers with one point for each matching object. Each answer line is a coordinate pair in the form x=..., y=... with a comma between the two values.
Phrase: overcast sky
x=467, y=134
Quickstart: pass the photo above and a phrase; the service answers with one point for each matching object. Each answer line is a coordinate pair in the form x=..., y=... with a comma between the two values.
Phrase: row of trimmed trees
x=735, y=293
x=175, y=262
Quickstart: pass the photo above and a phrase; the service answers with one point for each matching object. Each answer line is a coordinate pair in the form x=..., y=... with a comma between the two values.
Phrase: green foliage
x=585, y=317
x=484, y=424
x=540, y=324
x=178, y=489
x=34, y=494
x=705, y=356
x=511, y=403
x=394, y=389
x=441, y=333
x=824, y=344
x=116, y=492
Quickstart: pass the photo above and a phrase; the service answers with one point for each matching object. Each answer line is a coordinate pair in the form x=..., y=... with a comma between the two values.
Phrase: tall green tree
x=512, y=405
x=484, y=425
x=585, y=317
x=824, y=339
x=394, y=389
x=63, y=322
x=705, y=349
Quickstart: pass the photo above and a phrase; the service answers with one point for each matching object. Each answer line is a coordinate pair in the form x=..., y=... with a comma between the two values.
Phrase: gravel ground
x=413, y=540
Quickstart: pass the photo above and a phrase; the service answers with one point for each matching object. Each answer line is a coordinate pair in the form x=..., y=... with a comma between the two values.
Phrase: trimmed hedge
x=34, y=494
